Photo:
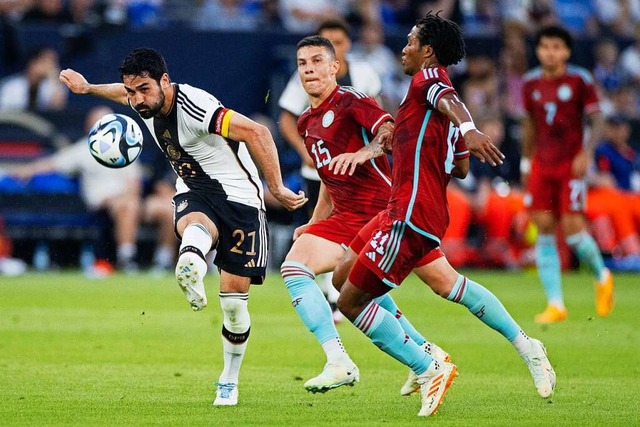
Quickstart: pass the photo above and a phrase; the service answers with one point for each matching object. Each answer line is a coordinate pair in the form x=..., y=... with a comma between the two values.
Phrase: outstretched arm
x=479, y=144
x=381, y=144
x=263, y=150
x=79, y=85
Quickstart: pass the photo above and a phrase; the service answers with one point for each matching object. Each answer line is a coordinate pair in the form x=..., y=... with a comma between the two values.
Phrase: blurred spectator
x=37, y=88
x=303, y=16
x=513, y=65
x=403, y=13
x=625, y=101
x=371, y=49
x=228, y=15
x=364, y=12
x=144, y=13
x=577, y=16
x=48, y=11
x=480, y=89
x=614, y=195
x=630, y=59
x=10, y=36
x=617, y=17
x=480, y=17
x=515, y=13
x=542, y=14
x=117, y=191
x=606, y=70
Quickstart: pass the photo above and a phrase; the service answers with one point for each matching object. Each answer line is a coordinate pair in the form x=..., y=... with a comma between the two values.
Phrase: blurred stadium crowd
x=489, y=225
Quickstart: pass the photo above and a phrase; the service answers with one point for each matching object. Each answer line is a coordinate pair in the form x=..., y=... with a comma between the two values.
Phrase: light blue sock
x=587, y=251
x=548, y=263
x=485, y=306
x=385, y=301
x=309, y=301
x=387, y=334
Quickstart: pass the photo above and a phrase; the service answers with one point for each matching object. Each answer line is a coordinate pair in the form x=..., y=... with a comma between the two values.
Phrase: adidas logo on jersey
x=372, y=255
x=251, y=263
x=166, y=134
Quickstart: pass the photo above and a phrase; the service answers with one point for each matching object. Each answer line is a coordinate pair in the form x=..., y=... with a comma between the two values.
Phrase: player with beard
x=219, y=200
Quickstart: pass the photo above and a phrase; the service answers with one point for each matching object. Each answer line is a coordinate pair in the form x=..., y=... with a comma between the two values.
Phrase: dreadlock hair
x=144, y=61
x=444, y=37
x=318, y=41
x=554, y=31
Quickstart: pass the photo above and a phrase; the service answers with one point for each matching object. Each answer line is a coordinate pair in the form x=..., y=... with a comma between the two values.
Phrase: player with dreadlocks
x=405, y=235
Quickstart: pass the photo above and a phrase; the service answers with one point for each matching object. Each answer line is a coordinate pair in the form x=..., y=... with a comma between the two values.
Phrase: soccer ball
x=115, y=140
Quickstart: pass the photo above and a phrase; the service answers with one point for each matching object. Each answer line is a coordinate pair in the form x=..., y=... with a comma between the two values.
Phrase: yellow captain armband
x=222, y=122
x=224, y=131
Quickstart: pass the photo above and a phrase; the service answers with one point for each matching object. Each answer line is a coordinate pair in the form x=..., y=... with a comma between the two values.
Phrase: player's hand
x=580, y=164
x=344, y=162
x=74, y=81
x=289, y=199
x=481, y=146
x=299, y=231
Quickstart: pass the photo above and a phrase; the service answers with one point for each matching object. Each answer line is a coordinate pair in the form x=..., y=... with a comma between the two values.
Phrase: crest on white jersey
x=327, y=119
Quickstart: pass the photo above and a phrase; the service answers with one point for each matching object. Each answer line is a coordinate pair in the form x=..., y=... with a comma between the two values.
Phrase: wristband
x=466, y=127
x=525, y=165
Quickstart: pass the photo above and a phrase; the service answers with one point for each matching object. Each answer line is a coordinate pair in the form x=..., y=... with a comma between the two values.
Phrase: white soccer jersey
x=205, y=161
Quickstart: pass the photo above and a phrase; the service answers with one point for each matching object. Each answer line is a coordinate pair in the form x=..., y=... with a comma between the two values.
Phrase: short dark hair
x=555, y=32
x=334, y=24
x=318, y=41
x=144, y=61
x=444, y=37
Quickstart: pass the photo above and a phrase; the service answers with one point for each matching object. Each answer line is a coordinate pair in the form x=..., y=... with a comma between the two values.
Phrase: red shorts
x=555, y=191
x=389, y=250
x=339, y=228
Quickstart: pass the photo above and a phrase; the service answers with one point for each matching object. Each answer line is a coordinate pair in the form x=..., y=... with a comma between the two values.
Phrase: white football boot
x=332, y=376
x=434, y=383
x=544, y=377
x=191, y=281
x=411, y=385
x=226, y=394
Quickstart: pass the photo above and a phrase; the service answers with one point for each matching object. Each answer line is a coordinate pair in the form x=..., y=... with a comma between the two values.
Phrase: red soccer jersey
x=423, y=154
x=557, y=108
x=344, y=123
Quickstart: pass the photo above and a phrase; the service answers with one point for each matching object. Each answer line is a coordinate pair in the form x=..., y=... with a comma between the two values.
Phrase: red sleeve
x=367, y=113
x=434, y=83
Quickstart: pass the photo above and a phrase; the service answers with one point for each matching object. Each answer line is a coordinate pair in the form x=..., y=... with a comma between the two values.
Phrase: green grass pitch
x=128, y=351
